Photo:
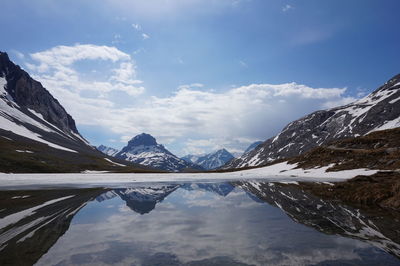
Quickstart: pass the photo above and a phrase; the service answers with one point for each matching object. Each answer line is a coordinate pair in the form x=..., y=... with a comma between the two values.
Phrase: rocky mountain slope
x=377, y=111
x=210, y=161
x=143, y=149
x=252, y=146
x=36, y=132
x=108, y=150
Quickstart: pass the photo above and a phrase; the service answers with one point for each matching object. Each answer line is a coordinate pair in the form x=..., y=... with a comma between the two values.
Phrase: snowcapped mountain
x=29, y=110
x=377, y=111
x=210, y=161
x=108, y=150
x=144, y=149
x=252, y=146
x=36, y=132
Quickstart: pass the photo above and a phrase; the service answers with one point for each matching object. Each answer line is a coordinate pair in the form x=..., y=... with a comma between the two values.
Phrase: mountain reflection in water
x=238, y=223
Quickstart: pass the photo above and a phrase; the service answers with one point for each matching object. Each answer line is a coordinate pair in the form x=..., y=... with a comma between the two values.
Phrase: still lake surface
x=229, y=223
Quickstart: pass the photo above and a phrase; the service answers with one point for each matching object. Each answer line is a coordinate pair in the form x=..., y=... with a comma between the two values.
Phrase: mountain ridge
x=211, y=160
x=377, y=111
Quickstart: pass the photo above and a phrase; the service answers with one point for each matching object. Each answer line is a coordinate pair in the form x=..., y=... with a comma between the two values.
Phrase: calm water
x=238, y=223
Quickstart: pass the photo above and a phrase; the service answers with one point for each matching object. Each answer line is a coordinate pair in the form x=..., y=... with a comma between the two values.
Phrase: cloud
x=56, y=68
x=243, y=64
x=310, y=36
x=137, y=26
x=192, y=119
x=287, y=7
x=18, y=54
x=117, y=39
x=145, y=36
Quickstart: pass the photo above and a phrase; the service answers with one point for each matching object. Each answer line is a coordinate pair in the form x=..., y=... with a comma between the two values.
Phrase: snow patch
x=118, y=164
x=24, y=151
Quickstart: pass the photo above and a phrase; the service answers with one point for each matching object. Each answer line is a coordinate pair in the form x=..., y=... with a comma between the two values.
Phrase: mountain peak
x=142, y=139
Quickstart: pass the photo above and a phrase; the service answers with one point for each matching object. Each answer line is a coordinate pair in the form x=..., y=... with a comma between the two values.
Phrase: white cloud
x=145, y=36
x=18, y=54
x=136, y=26
x=191, y=119
x=56, y=68
x=287, y=8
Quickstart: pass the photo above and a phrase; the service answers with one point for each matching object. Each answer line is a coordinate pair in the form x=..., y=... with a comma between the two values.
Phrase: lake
x=213, y=223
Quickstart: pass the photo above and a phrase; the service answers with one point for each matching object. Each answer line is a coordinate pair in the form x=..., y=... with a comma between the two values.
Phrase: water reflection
x=240, y=223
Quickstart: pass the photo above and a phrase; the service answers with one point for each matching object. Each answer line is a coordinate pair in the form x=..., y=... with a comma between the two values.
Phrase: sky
x=200, y=75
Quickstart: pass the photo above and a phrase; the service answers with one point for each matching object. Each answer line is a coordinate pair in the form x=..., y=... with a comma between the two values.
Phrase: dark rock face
x=29, y=93
x=379, y=110
x=142, y=139
x=144, y=149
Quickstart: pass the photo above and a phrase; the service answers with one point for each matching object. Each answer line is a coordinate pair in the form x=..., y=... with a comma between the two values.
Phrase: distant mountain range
x=210, y=161
x=377, y=111
x=37, y=134
x=143, y=149
x=107, y=150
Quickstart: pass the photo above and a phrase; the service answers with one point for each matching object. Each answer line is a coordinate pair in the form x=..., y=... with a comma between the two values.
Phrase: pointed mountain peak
x=222, y=151
x=142, y=139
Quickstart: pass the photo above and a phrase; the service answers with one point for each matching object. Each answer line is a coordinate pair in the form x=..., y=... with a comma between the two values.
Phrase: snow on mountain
x=379, y=110
x=190, y=158
x=214, y=160
x=108, y=150
x=144, y=149
x=29, y=110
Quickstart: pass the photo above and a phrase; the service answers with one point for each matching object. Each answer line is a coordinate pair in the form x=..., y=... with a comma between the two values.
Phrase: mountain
x=252, y=146
x=212, y=160
x=36, y=132
x=190, y=158
x=143, y=149
x=108, y=150
x=377, y=111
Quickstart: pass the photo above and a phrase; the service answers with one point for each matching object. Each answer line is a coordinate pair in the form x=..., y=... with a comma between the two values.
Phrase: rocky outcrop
x=29, y=93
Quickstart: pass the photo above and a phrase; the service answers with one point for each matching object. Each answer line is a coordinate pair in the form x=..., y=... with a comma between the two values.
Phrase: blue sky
x=201, y=74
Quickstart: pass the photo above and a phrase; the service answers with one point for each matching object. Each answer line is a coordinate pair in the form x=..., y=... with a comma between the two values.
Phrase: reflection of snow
x=15, y=217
